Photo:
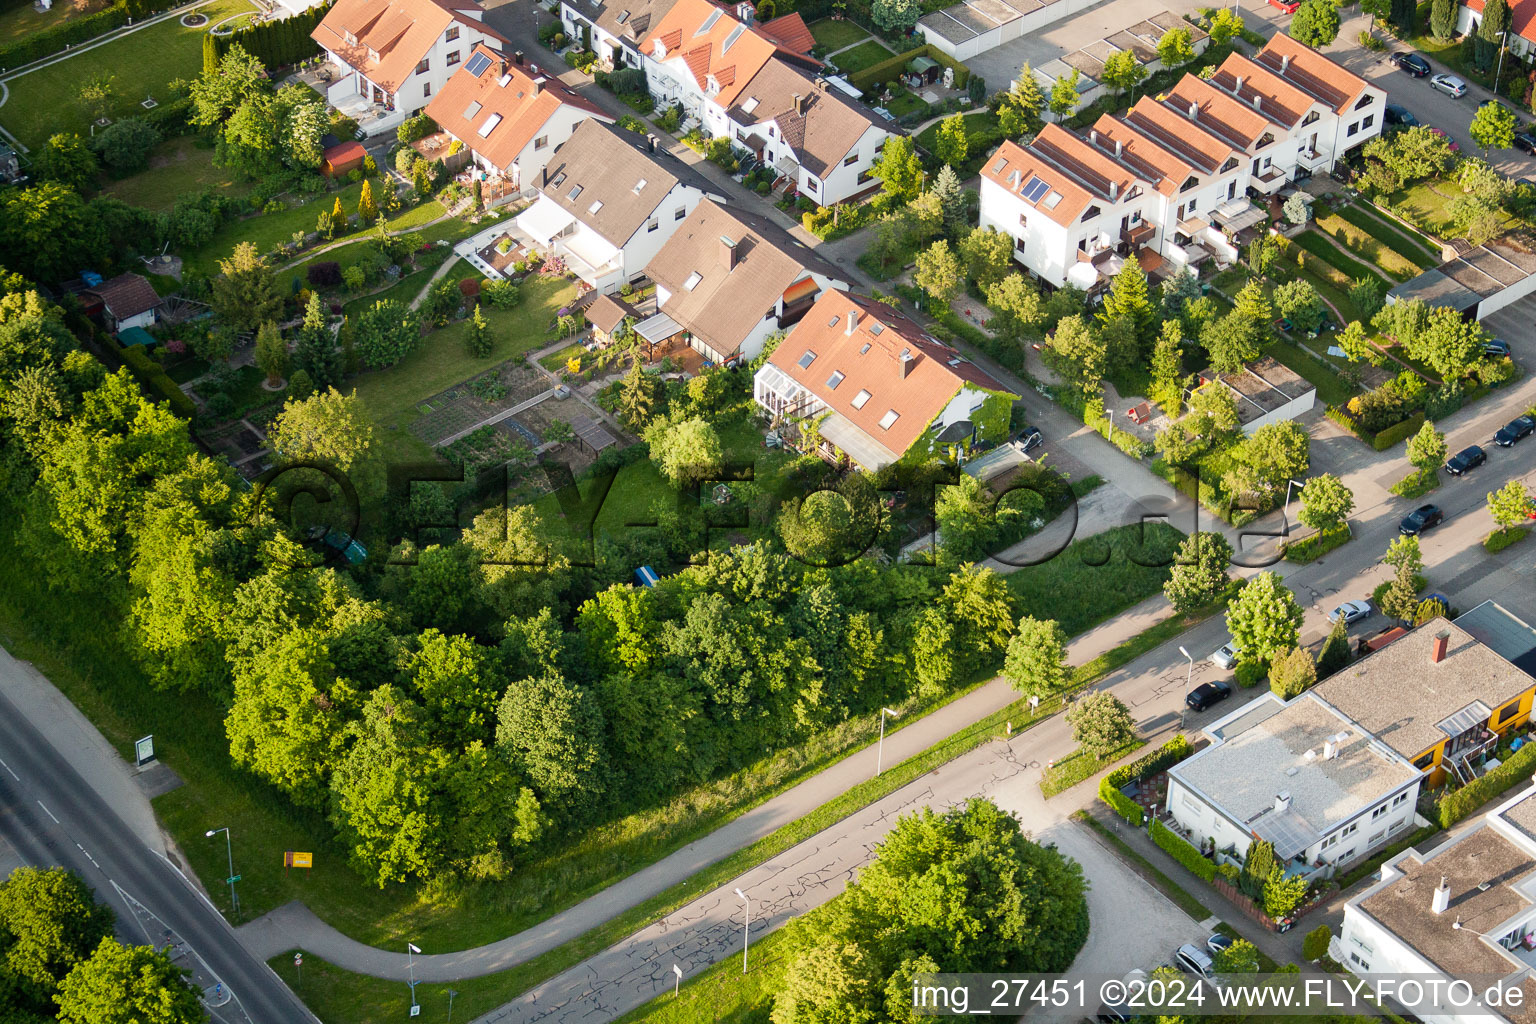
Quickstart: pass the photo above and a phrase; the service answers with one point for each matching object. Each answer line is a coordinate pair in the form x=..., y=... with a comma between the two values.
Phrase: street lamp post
x=229, y=850
x=451, y=994
x=410, y=965
x=880, y=750
x=746, y=928
x=1288, y=485
x=1500, y=70
x=1189, y=677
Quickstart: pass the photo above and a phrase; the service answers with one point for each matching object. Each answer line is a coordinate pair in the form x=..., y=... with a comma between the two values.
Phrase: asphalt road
x=50, y=816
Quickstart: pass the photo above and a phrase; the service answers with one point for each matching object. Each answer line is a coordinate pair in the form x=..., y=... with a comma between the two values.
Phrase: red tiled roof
x=1278, y=100
x=400, y=32
x=468, y=101
x=1075, y=173
x=870, y=360
x=1304, y=67
x=790, y=32
x=728, y=50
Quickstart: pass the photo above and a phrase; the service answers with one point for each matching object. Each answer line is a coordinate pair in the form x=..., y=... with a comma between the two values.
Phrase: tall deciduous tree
x=68, y=160
x=1292, y=672
x=1264, y=618
x=128, y=985
x=329, y=427
x=1199, y=571
x=1175, y=48
x=1036, y=664
x=1123, y=72
x=271, y=352
x=1016, y=306
x=1101, y=723
x=1509, y=504
x=939, y=273
x=1493, y=125
x=952, y=145
x=1427, y=449
x=1077, y=353
x=50, y=921
x=898, y=169
x=686, y=452
x=1168, y=368
x=1064, y=95
x=1325, y=502
x=1316, y=23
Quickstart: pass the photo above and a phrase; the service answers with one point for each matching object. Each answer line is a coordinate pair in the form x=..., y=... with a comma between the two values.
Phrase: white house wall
x=1295, y=408
x=1504, y=296
x=644, y=244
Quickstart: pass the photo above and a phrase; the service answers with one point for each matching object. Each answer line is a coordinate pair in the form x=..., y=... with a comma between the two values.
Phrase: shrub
x=1460, y=804
x=413, y=128
x=1230, y=873
x=1249, y=673
x=1309, y=549
x=324, y=275
x=1498, y=540
x=500, y=294
x=405, y=160
x=219, y=407
x=1315, y=945
x=1180, y=850
x=1399, y=432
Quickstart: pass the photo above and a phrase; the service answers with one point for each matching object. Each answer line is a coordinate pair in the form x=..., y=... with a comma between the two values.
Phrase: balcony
x=1139, y=235
x=1311, y=160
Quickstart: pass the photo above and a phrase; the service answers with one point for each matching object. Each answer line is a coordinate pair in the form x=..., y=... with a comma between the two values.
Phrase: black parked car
x=1420, y=519
x=1465, y=461
x=1525, y=142
x=1513, y=431
x=1412, y=63
x=1206, y=694
x=1496, y=348
x=1399, y=117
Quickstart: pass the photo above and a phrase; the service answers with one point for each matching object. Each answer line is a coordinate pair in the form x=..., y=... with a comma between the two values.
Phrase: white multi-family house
x=1354, y=108
x=608, y=203
x=752, y=84
x=510, y=117
x=388, y=58
x=615, y=27
x=726, y=281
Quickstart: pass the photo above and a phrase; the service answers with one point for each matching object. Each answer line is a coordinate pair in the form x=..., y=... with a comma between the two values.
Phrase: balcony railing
x=1138, y=235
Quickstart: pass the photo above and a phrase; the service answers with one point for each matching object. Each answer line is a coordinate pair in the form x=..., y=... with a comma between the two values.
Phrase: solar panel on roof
x=477, y=64
x=1035, y=189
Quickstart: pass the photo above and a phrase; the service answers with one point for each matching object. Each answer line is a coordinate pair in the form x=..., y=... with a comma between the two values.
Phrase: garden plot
x=472, y=402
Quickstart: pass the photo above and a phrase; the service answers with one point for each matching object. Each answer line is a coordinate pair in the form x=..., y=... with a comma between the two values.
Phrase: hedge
x=277, y=43
x=1315, y=546
x=152, y=376
x=1500, y=539
x=1398, y=432
x=1182, y=851
x=1165, y=756
x=46, y=43
x=1122, y=805
x=1455, y=806
x=889, y=68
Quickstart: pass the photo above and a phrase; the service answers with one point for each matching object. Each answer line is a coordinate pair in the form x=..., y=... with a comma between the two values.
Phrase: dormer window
x=1266, y=139
x=693, y=281
x=350, y=38
x=712, y=85
x=373, y=55
x=1193, y=181
x=1231, y=163
x=807, y=359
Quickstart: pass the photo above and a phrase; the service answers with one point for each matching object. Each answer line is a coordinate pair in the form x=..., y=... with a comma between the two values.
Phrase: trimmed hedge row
x=1165, y=756
x=1387, y=436
x=889, y=68
x=1122, y=805
x=1311, y=548
x=152, y=376
x=1454, y=807
x=1182, y=851
x=46, y=43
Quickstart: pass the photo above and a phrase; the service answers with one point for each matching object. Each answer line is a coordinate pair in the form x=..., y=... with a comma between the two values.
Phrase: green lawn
x=835, y=35
x=1079, y=765
x=1097, y=577
x=266, y=230
x=1393, y=234
x=862, y=56
x=43, y=102
x=1331, y=388
x=906, y=102
x=1312, y=241
x=23, y=20
x=1399, y=266
x=442, y=360
x=177, y=168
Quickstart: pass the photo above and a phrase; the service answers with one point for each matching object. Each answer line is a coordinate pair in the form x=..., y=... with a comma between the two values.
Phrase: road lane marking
x=47, y=811
x=87, y=855
x=8, y=768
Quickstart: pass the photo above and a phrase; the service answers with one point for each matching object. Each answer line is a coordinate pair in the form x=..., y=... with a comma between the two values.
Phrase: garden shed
x=923, y=71
x=341, y=159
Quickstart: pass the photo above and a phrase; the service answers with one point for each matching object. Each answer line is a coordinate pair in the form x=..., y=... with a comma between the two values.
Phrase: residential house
x=878, y=387
x=128, y=300
x=608, y=202
x=1464, y=911
x=754, y=85
x=1522, y=24
x=615, y=27
x=511, y=117
x=726, y=280
x=388, y=58
x=1354, y=109
x=1299, y=774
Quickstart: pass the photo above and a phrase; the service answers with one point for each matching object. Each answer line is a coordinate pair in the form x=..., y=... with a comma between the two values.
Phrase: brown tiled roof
x=630, y=20
x=1077, y=174
x=468, y=102
x=127, y=295
x=1174, y=131
x=607, y=312
x=790, y=32
x=1267, y=93
x=821, y=137
x=602, y=165
x=870, y=360
x=1216, y=111
x=726, y=303
x=1311, y=72
x=401, y=32
x=1522, y=15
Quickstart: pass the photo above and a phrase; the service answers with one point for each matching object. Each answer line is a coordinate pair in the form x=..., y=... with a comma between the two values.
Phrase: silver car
x=1225, y=656
x=1350, y=612
x=1450, y=85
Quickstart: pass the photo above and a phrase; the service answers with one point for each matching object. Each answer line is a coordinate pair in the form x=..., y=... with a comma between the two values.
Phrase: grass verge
x=1145, y=868
x=1498, y=540
x=1417, y=483
x=1075, y=767
x=1310, y=549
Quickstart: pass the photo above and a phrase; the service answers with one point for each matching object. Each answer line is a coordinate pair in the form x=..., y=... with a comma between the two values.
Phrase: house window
x=680, y=213
x=851, y=159
x=1023, y=220
x=1231, y=163
x=1353, y=128
x=1350, y=829
x=1356, y=958
x=1369, y=120
x=426, y=89
x=1365, y=101
x=541, y=142
x=451, y=34
x=1194, y=204
x=652, y=224
x=1397, y=825
x=834, y=380
x=1310, y=118
x=576, y=191
x=421, y=68
x=1192, y=181
x=1399, y=800
x=1507, y=712
x=1329, y=842
x=1018, y=245
x=1190, y=805
x=889, y=419
x=807, y=359
x=1378, y=812
x=1378, y=837
x=812, y=183
x=1091, y=212
x=453, y=58
x=860, y=398
x=770, y=131
x=350, y=38
x=1425, y=760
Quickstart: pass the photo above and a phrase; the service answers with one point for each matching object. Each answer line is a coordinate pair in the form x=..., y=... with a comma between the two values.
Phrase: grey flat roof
x=949, y=28
x=1467, y=274
x=971, y=18
x=1280, y=751
x=1436, y=289
x=1103, y=49
x=1085, y=62
x=1496, y=266
x=1513, y=639
x=592, y=433
x=996, y=10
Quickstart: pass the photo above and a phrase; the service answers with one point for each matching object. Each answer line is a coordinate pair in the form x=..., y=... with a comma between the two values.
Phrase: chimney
x=1258, y=102
x=1238, y=86
x=538, y=84
x=1194, y=110
x=1119, y=147
x=1437, y=649
x=1285, y=63
x=1442, y=900
x=907, y=362
x=650, y=143
x=517, y=55
x=1114, y=191
x=853, y=321
x=1093, y=136
x=727, y=253
x=533, y=69
x=800, y=104
x=1282, y=801
x=1330, y=749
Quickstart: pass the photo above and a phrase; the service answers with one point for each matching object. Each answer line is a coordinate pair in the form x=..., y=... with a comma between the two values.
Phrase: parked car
x=1466, y=460
x=1218, y=942
x=1206, y=694
x=1450, y=85
x=1400, y=117
x=1412, y=63
x=1288, y=6
x=1350, y=612
x=1225, y=656
x=1525, y=142
x=1525, y=182
x=1451, y=143
x=1513, y=431
x=1496, y=348
x=1420, y=519
x=1113, y=1013
x=1190, y=958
